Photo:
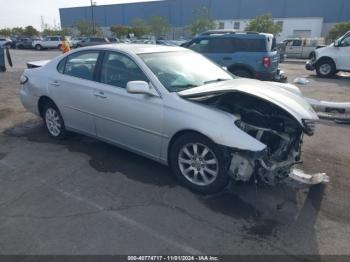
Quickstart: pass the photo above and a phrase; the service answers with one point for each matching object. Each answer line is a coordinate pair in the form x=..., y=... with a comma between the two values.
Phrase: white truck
x=333, y=58
x=49, y=42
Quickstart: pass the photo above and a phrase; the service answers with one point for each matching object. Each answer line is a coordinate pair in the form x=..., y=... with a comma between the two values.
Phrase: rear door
x=72, y=88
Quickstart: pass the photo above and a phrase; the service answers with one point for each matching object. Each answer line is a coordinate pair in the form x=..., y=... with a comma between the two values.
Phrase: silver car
x=176, y=107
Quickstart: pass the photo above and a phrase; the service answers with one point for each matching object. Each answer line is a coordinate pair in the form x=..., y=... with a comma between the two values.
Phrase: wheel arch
x=43, y=100
x=326, y=58
x=179, y=134
x=242, y=67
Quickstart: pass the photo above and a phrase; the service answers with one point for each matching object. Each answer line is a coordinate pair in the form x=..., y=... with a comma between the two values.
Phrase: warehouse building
x=309, y=18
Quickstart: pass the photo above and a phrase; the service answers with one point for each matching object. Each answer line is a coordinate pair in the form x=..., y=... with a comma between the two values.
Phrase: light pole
x=92, y=16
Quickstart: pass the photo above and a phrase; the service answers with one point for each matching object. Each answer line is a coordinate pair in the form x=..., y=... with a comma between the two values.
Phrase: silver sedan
x=176, y=107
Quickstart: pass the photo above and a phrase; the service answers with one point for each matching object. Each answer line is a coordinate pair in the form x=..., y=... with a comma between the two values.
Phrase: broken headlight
x=309, y=126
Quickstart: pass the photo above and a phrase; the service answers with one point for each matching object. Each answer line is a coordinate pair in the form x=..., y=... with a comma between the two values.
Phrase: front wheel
x=199, y=163
x=325, y=68
x=54, y=122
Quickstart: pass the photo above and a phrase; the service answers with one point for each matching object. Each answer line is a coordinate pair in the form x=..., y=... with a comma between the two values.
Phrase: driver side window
x=118, y=69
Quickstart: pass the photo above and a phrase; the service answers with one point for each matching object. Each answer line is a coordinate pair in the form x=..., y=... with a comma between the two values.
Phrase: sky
x=29, y=12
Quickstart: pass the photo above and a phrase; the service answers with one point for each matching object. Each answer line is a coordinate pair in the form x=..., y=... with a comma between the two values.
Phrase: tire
x=39, y=47
x=325, y=68
x=53, y=121
x=206, y=173
x=241, y=73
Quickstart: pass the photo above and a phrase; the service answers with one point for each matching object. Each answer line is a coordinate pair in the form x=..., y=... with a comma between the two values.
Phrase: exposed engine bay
x=277, y=129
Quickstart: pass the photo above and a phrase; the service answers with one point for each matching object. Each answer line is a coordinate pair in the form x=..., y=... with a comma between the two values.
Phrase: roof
x=139, y=48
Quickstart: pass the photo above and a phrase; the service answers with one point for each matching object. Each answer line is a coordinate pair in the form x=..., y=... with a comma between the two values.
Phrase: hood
x=290, y=101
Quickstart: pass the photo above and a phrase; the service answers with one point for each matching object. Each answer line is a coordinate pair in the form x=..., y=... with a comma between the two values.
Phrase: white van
x=331, y=59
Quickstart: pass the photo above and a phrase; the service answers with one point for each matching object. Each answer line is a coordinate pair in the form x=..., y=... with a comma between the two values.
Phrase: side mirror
x=336, y=43
x=225, y=68
x=140, y=87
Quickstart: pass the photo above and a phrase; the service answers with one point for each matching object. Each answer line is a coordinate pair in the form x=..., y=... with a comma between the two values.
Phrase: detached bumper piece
x=280, y=77
x=300, y=176
x=310, y=65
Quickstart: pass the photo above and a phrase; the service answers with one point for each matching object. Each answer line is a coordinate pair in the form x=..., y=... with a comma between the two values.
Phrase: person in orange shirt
x=65, y=47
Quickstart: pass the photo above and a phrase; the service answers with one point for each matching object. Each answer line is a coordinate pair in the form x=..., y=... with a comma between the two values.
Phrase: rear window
x=231, y=45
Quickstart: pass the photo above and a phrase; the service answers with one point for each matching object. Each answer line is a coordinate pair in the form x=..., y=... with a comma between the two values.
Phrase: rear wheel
x=241, y=72
x=53, y=121
x=199, y=163
x=325, y=68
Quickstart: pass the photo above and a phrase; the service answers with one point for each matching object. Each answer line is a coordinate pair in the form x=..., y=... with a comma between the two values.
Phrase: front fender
x=217, y=125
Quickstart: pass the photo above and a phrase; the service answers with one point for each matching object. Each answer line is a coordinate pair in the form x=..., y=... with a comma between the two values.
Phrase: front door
x=134, y=121
x=294, y=48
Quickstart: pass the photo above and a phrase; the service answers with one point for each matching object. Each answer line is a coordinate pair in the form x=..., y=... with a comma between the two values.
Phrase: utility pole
x=92, y=17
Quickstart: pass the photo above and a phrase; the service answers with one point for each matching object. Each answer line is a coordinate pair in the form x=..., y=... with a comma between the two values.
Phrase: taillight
x=267, y=62
x=23, y=80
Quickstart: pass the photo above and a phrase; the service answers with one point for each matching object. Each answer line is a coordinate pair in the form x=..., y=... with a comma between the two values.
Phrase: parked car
x=91, y=41
x=49, y=42
x=302, y=47
x=331, y=59
x=5, y=42
x=244, y=54
x=177, y=107
x=76, y=40
x=25, y=43
x=170, y=42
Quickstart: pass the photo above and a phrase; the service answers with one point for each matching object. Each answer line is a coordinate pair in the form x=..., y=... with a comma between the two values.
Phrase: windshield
x=182, y=70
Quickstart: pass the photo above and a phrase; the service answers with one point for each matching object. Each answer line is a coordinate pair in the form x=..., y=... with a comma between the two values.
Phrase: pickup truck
x=49, y=42
x=333, y=58
x=302, y=47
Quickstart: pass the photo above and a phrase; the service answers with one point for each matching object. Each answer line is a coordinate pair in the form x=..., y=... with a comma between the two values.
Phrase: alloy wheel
x=53, y=122
x=198, y=164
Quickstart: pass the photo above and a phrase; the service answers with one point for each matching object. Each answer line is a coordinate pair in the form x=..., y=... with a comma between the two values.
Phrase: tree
x=139, y=27
x=264, y=24
x=30, y=31
x=203, y=21
x=159, y=26
x=120, y=30
x=17, y=31
x=338, y=30
x=86, y=28
x=5, y=32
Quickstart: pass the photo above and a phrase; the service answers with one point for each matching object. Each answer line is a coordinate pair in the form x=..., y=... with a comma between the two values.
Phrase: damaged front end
x=274, y=127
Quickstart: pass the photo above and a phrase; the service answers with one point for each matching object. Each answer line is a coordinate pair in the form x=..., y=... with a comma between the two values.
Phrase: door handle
x=227, y=58
x=100, y=94
x=54, y=83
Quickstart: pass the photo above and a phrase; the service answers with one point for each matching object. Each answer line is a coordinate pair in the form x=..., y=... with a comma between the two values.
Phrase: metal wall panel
x=181, y=12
